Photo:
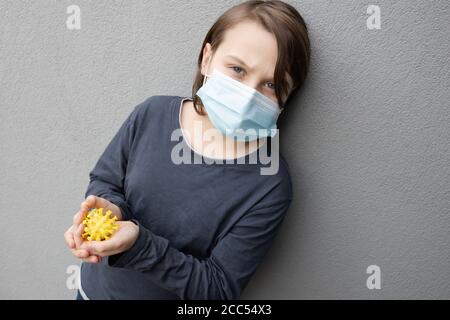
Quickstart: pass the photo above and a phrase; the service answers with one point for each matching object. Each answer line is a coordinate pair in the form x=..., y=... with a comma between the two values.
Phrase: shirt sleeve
x=108, y=175
x=221, y=276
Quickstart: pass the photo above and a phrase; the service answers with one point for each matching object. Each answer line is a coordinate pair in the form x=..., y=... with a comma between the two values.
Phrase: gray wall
x=367, y=139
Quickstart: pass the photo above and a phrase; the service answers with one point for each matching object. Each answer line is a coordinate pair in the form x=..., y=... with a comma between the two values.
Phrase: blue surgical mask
x=236, y=109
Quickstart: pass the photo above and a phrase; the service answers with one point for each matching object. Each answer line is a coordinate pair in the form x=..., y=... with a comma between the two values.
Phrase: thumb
x=89, y=202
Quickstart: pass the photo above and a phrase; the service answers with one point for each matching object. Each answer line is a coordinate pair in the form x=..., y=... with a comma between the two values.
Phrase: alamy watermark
x=374, y=20
x=374, y=280
x=181, y=152
x=73, y=21
x=73, y=279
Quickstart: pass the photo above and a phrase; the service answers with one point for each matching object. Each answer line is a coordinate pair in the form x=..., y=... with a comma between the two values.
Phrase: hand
x=121, y=241
x=73, y=234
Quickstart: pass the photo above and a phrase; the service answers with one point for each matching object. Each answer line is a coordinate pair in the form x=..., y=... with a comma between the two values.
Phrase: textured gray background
x=367, y=139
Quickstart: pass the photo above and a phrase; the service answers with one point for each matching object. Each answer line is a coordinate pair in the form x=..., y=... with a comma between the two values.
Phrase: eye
x=237, y=69
x=271, y=85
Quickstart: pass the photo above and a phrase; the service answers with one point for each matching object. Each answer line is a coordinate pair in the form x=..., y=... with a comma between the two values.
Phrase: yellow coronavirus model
x=99, y=226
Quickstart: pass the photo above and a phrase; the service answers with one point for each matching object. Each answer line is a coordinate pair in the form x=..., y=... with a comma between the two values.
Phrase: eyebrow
x=242, y=62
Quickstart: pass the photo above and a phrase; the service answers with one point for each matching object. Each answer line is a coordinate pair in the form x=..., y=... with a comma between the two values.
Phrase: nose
x=252, y=83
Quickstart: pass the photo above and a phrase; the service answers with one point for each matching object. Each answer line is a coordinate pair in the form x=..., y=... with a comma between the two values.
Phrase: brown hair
x=288, y=27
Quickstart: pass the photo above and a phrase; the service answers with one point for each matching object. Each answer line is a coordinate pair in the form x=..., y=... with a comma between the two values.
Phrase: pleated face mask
x=236, y=109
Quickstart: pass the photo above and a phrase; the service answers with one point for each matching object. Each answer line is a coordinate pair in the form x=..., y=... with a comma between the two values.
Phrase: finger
x=68, y=236
x=101, y=248
x=77, y=235
x=92, y=259
x=85, y=246
x=90, y=202
x=77, y=218
x=80, y=253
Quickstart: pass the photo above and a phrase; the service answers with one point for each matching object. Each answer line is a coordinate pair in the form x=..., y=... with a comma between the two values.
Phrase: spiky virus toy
x=99, y=226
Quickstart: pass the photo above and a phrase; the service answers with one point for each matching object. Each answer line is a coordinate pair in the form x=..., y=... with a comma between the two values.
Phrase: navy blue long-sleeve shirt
x=203, y=228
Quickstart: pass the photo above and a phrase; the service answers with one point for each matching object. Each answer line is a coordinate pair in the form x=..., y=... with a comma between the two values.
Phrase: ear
x=206, y=54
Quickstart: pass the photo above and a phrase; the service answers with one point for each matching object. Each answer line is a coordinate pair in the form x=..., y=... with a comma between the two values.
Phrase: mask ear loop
x=206, y=73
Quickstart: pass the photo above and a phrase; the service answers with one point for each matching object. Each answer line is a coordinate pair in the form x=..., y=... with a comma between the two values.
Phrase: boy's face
x=248, y=53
